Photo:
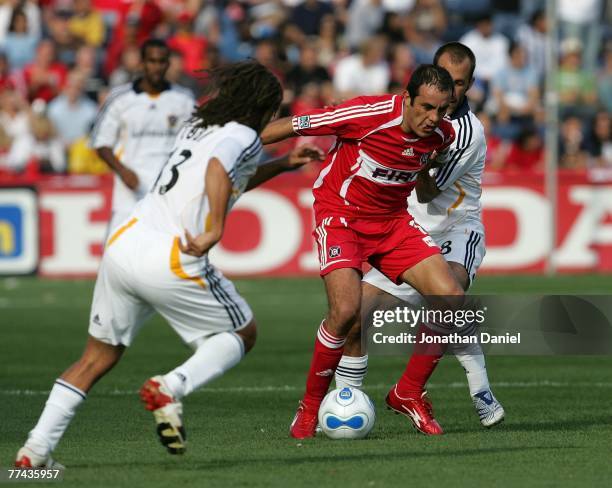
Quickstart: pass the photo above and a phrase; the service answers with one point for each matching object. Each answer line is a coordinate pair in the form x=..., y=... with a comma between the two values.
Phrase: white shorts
x=143, y=271
x=463, y=245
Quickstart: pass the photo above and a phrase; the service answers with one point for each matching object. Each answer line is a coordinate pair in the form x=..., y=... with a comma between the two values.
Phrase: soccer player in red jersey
x=383, y=143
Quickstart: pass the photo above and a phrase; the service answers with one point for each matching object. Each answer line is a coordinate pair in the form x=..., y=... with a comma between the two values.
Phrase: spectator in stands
x=176, y=73
x=365, y=18
x=572, y=153
x=41, y=146
x=20, y=42
x=577, y=87
x=83, y=159
x=307, y=15
x=402, y=64
x=532, y=37
x=497, y=148
x=516, y=95
x=44, y=77
x=31, y=10
x=327, y=43
x=366, y=73
x=128, y=70
x=604, y=78
x=86, y=65
x=490, y=49
x=581, y=20
x=14, y=116
x=86, y=24
x=72, y=113
x=526, y=153
x=63, y=40
x=309, y=72
x=598, y=144
x=424, y=28
x=266, y=52
x=191, y=46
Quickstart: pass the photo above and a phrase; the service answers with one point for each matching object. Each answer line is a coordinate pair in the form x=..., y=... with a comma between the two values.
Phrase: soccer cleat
x=304, y=423
x=489, y=410
x=167, y=412
x=418, y=410
x=28, y=459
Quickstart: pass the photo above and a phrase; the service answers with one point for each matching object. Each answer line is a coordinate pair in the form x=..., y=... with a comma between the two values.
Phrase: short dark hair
x=245, y=92
x=429, y=74
x=458, y=52
x=152, y=43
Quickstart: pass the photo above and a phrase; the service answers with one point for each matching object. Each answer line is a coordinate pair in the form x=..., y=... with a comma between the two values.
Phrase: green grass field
x=558, y=430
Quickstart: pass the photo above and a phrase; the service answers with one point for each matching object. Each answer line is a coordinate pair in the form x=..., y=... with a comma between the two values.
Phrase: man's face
x=155, y=64
x=460, y=73
x=428, y=108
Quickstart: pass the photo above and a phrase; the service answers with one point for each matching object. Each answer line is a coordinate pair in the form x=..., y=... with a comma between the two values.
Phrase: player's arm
x=218, y=190
x=295, y=159
x=129, y=177
x=278, y=130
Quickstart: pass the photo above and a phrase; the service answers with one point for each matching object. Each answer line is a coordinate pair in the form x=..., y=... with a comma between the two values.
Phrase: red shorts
x=392, y=246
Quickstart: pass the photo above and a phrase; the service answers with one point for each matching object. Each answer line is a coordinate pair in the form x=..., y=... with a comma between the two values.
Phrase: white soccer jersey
x=141, y=129
x=178, y=198
x=459, y=179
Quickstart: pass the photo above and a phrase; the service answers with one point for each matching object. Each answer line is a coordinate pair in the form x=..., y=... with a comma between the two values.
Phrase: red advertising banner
x=269, y=230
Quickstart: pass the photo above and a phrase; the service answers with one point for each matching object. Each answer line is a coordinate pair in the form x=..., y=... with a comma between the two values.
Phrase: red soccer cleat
x=304, y=423
x=418, y=410
x=154, y=394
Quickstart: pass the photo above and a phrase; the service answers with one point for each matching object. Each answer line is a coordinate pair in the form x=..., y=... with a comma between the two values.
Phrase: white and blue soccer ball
x=346, y=413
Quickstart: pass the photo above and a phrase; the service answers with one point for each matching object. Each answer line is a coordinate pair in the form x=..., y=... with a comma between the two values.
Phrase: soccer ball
x=346, y=413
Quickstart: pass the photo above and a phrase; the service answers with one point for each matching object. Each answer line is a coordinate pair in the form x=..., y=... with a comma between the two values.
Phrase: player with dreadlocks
x=148, y=266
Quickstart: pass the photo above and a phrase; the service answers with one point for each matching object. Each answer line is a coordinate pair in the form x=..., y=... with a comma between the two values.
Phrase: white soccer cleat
x=489, y=410
x=168, y=414
x=28, y=459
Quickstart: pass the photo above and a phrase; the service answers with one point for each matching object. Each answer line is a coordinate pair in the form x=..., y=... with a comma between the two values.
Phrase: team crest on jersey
x=335, y=252
x=304, y=122
x=408, y=152
x=172, y=120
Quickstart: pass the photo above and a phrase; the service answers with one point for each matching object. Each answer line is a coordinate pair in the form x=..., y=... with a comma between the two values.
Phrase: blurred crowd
x=60, y=58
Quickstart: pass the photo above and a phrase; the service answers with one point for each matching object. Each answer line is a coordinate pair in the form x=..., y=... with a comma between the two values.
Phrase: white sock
x=212, y=358
x=55, y=418
x=351, y=371
x=472, y=359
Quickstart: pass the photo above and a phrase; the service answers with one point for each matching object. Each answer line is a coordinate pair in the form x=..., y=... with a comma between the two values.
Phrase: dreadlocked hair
x=245, y=92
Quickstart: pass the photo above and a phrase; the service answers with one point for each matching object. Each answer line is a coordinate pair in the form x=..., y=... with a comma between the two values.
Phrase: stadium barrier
x=55, y=226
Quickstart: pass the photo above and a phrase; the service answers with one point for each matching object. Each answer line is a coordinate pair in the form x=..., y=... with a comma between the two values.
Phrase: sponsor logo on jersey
x=395, y=175
x=335, y=252
x=304, y=122
x=408, y=152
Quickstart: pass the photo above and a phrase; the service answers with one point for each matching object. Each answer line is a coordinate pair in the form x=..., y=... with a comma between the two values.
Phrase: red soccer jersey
x=373, y=166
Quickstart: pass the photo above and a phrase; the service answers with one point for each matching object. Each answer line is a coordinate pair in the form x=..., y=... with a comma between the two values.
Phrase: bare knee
x=248, y=336
x=97, y=359
x=342, y=316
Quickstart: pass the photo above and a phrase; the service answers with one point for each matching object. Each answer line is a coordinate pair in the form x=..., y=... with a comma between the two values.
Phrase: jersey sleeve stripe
x=348, y=117
x=340, y=111
x=465, y=133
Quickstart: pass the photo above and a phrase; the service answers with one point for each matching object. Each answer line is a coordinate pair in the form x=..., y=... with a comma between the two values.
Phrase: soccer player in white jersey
x=137, y=126
x=448, y=206
x=157, y=261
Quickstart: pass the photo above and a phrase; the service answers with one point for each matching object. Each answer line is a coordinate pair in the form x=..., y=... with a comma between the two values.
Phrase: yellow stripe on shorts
x=177, y=268
x=121, y=230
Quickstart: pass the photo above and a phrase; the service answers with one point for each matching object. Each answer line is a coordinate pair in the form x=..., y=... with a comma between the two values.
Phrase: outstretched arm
x=293, y=160
x=218, y=190
x=278, y=130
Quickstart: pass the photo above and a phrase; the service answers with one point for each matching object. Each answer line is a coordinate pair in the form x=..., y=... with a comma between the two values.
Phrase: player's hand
x=431, y=164
x=199, y=245
x=304, y=154
x=129, y=178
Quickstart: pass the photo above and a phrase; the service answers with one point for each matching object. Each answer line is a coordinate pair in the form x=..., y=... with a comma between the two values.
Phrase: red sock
x=420, y=367
x=327, y=354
